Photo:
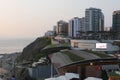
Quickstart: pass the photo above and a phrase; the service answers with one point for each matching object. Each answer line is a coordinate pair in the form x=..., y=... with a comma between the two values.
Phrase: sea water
x=8, y=46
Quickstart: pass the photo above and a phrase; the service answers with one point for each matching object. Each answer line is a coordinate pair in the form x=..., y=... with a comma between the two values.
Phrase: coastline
x=7, y=63
x=10, y=46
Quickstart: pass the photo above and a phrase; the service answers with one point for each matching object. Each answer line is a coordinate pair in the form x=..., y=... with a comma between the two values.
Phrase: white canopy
x=1, y=79
x=67, y=76
x=92, y=78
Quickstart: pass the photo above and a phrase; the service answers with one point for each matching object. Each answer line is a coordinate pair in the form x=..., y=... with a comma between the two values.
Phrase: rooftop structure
x=116, y=12
x=92, y=68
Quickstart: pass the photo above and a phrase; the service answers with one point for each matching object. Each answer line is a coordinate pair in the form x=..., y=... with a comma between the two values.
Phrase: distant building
x=55, y=29
x=49, y=33
x=75, y=26
x=107, y=28
x=62, y=28
x=116, y=25
x=116, y=21
x=94, y=19
x=83, y=23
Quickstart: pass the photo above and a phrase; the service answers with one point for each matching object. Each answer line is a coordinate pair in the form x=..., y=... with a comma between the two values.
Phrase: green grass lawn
x=113, y=74
x=52, y=45
x=73, y=57
x=102, y=55
x=65, y=44
x=55, y=45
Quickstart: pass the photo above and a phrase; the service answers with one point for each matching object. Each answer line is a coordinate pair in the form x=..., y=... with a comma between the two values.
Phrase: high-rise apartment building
x=55, y=30
x=83, y=24
x=116, y=21
x=74, y=27
x=62, y=28
x=94, y=20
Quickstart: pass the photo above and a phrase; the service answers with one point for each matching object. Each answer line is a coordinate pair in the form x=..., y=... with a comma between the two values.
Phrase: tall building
x=83, y=24
x=76, y=25
x=116, y=21
x=94, y=20
x=49, y=33
x=62, y=28
x=55, y=29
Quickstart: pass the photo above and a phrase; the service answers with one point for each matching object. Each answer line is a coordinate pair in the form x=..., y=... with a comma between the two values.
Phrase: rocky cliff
x=33, y=49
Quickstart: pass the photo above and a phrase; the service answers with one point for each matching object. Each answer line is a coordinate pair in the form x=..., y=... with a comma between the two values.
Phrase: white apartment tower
x=75, y=26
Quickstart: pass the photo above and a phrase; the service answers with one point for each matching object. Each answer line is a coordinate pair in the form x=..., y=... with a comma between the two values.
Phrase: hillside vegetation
x=33, y=49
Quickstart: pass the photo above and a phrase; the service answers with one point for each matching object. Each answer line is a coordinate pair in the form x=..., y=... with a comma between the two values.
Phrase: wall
x=41, y=71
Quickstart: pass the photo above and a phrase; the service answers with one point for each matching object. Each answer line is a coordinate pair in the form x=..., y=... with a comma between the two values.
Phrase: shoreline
x=8, y=54
x=7, y=63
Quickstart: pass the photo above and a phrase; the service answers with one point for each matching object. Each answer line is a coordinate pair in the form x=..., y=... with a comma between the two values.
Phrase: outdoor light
x=91, y=64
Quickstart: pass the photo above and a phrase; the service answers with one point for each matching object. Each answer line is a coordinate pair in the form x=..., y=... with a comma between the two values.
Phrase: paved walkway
x=61, y=59
x=85, y=55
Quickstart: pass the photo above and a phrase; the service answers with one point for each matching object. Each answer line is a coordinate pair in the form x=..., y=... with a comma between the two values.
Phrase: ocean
x=8, y=46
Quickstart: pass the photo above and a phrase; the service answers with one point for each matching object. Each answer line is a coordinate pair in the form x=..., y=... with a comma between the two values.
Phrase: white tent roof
x=1, y=79
x=67, y=76
x=92, y=78
x=58, y=78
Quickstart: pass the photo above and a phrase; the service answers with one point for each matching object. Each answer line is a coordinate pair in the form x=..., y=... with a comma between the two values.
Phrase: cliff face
x=34, y=49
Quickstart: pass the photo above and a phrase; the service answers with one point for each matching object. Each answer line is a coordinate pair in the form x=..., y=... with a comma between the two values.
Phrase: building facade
x=116, y=21
x=116, y=25
x=99, y=68
x=75, y=26
x=49, y=33
x=55, y=29
x=83, y=24
x=62, y=28
x=41, y=72
x=94, y=20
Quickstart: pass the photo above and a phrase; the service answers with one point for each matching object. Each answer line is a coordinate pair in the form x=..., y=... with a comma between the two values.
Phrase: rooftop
x=116, y=12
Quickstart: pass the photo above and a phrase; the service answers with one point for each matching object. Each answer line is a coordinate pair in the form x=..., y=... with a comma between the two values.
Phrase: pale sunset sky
x=32, y=18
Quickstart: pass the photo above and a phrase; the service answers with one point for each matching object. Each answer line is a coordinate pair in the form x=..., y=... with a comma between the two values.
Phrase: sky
x=32, y=18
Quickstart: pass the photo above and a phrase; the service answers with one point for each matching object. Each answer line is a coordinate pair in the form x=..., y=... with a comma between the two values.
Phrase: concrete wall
x=41, y=71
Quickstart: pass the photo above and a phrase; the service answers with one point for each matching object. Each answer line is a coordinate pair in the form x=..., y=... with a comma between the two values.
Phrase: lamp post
x=14, y=67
